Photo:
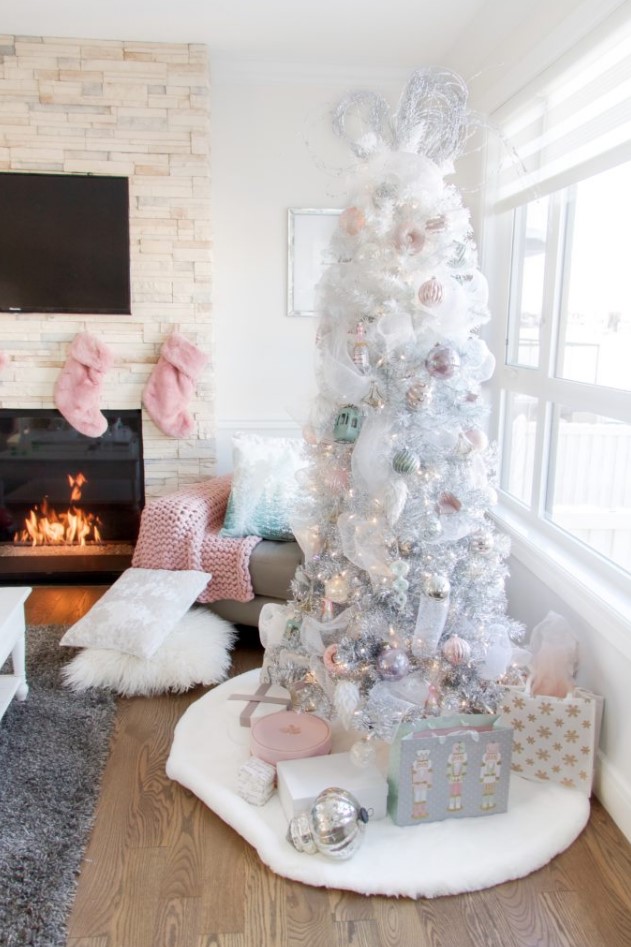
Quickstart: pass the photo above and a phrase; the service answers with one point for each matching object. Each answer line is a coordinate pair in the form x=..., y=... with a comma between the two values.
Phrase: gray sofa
x=272, y=567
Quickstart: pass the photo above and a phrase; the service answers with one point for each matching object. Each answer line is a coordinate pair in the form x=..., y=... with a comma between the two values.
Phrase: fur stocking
x=172, y=385
x=78, y=387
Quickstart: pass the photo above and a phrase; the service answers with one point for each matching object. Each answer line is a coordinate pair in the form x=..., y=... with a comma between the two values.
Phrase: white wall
x=261, y=166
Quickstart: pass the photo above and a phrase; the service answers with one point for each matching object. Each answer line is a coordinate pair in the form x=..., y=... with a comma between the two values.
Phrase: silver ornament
x=430, y=527
x=483, y=542
x=334, y=825
x=435, y=585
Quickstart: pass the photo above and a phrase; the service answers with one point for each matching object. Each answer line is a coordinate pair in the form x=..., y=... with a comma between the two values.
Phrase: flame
x=45, y=527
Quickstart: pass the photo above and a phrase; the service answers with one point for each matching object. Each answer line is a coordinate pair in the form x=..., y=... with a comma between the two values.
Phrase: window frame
x=578, y=572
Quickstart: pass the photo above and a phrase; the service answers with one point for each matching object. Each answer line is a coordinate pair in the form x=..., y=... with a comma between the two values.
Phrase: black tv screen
x=64, y=243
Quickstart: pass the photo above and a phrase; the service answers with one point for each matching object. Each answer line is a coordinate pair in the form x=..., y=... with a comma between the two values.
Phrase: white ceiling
x=348, y=33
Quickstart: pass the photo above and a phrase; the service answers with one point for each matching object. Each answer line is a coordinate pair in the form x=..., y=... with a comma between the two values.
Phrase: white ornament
x=347, y=698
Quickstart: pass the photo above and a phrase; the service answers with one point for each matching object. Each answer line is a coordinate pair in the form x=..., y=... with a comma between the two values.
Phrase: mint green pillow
x=264, y=486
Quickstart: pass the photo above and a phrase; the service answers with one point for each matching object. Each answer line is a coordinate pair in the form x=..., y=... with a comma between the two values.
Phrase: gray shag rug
x=53, y=749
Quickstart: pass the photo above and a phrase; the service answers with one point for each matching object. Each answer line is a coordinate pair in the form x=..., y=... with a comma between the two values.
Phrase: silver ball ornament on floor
x=334, y=825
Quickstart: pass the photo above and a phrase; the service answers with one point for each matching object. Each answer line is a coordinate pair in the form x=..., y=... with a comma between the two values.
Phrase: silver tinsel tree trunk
x=399, y=611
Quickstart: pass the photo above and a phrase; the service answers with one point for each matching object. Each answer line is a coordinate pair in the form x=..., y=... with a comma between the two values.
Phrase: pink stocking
x=78, y=387
x=172, y=385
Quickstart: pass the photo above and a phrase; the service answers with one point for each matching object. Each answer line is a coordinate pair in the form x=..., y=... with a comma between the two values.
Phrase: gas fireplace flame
x=45, y=527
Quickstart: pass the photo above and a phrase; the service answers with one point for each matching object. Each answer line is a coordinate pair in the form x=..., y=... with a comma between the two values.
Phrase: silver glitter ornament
x=435, y=585
x=334, y=825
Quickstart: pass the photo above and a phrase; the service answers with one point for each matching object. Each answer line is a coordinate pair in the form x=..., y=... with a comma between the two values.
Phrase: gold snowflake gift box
x=555, y=739
x=446, y=770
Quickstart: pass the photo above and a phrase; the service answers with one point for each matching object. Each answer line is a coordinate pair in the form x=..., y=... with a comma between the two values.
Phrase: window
x=562, y=225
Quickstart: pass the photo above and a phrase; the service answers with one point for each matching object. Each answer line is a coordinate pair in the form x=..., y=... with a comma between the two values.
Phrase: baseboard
x=614, y=793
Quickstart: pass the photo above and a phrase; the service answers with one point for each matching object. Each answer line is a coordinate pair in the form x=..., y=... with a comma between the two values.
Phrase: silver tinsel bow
x=432, y=118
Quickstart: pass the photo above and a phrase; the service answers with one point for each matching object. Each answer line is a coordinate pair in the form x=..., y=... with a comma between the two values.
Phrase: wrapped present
x=267, y=699
x=449, y=772
x=300, y=781
x=255, y=781
x=555, y=739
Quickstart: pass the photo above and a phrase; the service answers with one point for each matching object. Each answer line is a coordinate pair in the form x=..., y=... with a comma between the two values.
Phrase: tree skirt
x=446, y=857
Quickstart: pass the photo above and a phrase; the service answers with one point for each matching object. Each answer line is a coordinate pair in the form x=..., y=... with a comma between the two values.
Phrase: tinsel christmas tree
x=399, y=611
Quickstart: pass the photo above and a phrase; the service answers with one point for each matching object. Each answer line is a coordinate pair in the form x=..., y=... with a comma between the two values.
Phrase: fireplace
x=70, y=505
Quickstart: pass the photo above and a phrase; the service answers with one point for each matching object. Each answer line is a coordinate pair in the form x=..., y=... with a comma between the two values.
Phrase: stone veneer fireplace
x=69, y=504
x=139, y=110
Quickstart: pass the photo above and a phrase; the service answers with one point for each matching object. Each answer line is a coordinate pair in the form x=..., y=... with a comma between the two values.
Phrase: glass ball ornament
x=309, y=698
x=436, y=224
x=419, y=395
x=409, y=239
x=431, y=527
x=363, y=752
x=334, y=825
x=405, y=461
x=337, y=589
x=483, y=542
x=456, y=650
x=431, y=292
x=442, y=361
x=385, y=194
x=392, y=663
x=436, y=586
x=352, y=221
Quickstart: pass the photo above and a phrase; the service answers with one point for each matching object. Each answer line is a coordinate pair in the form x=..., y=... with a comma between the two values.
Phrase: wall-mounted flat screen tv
x=64, y=243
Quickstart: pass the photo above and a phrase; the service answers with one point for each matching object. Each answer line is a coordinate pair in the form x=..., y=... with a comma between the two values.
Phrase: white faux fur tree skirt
x=446, y=857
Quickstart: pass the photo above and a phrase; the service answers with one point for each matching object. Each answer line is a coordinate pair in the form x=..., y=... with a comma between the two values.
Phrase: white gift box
x=300, y=781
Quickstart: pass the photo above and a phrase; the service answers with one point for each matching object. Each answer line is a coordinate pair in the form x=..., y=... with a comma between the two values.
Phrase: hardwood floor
x=162, y=870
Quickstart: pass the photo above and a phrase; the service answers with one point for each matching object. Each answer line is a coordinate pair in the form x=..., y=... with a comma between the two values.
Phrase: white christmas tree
x=399, y=611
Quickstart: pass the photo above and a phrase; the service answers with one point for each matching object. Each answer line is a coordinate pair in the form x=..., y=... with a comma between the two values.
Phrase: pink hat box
x=287, y=735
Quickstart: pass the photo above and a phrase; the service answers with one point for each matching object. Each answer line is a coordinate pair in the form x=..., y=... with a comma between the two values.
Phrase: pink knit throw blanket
x=181, y=531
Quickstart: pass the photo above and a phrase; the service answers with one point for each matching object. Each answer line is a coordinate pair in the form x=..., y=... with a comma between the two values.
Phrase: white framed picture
x=309, y=232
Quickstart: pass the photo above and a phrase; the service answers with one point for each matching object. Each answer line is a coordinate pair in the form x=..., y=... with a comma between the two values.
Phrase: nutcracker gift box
x=447, y=770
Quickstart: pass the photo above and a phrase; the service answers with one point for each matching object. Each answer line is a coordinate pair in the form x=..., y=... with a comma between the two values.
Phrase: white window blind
x=573, y=121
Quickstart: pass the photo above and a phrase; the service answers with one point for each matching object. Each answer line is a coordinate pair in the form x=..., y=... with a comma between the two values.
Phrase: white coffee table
x=12, y=628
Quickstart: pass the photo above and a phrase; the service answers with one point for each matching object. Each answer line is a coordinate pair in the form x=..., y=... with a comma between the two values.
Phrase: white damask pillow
x=264, y=486
x=137, y=613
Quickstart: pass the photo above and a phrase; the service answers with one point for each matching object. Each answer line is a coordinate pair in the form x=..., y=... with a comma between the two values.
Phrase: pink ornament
x=409, y=239
x=431, y=292
x=456, y=650
x=352, y=221
x=448, y=503
x=442, y=361
x=335, y=668
x=477, y=439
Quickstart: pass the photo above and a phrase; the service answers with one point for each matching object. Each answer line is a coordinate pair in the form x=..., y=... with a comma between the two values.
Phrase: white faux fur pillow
x=137, y=613
x=197, y=651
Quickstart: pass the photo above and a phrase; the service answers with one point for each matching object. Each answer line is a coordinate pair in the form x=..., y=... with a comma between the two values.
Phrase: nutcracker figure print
x=421, y=783
x=489, y=774
x=456, y=772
